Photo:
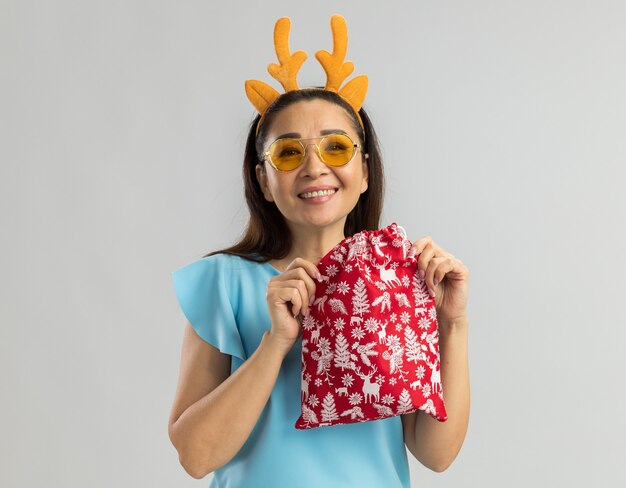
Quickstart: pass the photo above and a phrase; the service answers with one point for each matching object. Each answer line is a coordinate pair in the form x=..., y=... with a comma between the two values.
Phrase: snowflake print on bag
x=370, y=345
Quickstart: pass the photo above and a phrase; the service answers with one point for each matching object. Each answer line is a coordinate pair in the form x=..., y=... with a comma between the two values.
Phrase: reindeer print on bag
x=370, y=342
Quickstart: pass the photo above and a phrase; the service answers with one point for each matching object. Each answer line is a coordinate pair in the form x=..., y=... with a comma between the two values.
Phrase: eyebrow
x=324, y=132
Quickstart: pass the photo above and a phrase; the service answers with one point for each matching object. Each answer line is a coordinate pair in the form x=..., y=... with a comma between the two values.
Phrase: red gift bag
x=370, y=342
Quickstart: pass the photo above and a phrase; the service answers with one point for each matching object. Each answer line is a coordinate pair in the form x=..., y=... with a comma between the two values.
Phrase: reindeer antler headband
x=337, y=70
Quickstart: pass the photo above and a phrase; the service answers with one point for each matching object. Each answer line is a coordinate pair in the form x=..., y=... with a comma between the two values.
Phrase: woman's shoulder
x=220, y=271
x=225, y=268
x=234, y=262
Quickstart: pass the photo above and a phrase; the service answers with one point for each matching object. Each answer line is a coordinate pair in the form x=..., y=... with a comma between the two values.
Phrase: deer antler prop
x=261, y=95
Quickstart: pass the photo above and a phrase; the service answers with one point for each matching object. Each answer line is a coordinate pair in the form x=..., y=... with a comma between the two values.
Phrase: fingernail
x=311, y=300
x=432, y=293
x=422, y=273
x=435, y=281
x=319, y=276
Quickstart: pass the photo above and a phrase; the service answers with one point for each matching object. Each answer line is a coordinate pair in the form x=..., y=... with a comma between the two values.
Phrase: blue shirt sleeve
x=202, y=294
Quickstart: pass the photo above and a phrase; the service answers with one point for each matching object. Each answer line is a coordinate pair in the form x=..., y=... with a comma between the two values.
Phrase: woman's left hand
x=446, y=275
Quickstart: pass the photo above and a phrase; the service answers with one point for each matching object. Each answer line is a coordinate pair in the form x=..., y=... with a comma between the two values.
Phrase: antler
x=337, y=71
x=287, y=71
x=262, y=95
x=357, y=370
x=381, y=265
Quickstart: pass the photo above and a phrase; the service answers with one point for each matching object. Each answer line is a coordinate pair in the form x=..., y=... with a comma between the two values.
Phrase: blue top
x=224, y=299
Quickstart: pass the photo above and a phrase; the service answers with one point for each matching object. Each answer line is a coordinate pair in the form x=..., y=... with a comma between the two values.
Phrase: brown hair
x=267, y=235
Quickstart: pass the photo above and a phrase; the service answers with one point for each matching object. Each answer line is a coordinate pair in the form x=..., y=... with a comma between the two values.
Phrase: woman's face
x=309, y=119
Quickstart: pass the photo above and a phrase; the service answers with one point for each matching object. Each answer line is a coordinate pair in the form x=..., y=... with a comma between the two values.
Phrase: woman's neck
x=313, y=243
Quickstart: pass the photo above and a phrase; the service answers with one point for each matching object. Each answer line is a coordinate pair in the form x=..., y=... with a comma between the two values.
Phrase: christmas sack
x=370, y=342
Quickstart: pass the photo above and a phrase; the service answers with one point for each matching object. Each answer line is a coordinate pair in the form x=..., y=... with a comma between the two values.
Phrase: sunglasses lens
x=336, y=149
x=286, y=154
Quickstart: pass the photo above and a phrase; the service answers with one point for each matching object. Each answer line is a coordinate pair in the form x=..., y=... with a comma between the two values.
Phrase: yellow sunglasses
x=287, y=154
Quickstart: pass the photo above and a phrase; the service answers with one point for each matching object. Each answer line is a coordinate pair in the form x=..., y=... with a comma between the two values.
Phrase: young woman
x=313, y=176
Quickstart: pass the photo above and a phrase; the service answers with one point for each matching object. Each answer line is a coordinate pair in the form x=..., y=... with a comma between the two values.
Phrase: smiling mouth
x=314, y=194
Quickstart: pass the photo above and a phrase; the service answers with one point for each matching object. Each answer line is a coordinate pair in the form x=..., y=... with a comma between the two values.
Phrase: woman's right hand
x=289, y=295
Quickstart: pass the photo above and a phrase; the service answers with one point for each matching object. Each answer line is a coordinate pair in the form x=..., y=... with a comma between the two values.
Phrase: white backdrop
x=123, y=123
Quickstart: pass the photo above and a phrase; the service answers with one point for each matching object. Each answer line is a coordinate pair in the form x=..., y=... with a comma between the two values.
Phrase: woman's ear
x=366, y=173
x=261, y=176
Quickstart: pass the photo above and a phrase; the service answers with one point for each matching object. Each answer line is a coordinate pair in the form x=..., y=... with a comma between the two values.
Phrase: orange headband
x=261, y=95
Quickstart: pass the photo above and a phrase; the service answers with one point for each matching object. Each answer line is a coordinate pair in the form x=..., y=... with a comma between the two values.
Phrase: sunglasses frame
x=268, y=158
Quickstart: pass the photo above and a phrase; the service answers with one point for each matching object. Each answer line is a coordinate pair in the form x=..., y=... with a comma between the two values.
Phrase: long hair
x=267, y=235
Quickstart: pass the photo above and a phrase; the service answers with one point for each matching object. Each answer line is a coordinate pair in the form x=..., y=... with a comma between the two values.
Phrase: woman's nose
x=312, y=162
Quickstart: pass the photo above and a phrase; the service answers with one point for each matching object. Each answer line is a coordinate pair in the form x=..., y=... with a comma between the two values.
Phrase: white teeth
x=313, y=194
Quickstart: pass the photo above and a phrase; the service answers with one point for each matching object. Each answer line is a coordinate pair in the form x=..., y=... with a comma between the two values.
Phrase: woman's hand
x=289, y=295
x=444, y=274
